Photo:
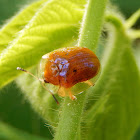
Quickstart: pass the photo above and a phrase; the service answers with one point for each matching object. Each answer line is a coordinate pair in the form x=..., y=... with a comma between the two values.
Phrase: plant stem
x=92, y=23
x=69, y=124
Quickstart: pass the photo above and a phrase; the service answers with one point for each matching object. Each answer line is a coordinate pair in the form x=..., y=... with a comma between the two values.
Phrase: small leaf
x=134, y=34
x=132, y=20
x=9, y=133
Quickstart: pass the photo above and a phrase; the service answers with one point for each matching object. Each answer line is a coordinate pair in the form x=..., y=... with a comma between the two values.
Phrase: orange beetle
x=69, y=68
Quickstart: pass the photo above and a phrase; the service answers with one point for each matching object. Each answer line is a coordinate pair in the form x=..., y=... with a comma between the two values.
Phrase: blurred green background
x=14, y=109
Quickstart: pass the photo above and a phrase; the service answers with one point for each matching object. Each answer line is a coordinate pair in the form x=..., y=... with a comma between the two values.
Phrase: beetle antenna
x=42, y=82
x=21, y=69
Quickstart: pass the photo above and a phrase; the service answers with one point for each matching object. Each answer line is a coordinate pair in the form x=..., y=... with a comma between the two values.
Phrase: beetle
x=67, y=67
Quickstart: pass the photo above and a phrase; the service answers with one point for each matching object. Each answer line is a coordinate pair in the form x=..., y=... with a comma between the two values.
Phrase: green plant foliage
x=16, y=111
x=9, y=31
x=51, y=24
x=54, y=25
x=116, y=114
x=9, y=133
x=132, y=20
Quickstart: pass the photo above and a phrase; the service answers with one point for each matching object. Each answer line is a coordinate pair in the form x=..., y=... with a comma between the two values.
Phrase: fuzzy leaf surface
x=17, y=23
x=53, y=26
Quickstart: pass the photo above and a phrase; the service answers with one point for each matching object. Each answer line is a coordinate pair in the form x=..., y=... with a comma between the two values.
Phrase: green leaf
x=115, y=115
x=17, y=23
x=53, y=26
x=9, y=133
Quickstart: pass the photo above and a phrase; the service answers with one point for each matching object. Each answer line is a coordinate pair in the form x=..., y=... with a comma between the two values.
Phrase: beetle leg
x=72, y=97
x=89, y=83
x=61, y=92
